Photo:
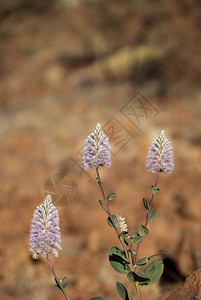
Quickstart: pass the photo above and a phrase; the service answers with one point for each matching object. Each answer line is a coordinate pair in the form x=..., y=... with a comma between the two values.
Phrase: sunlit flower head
x=45, y=237
x=160, y=155
x=96, y=150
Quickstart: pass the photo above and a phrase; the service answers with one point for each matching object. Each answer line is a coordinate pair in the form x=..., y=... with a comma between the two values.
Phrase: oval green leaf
x=152, y=213
x=114, y=219
x=133, y=252
x=153, y=271
x=102, y=203
x=111, y=196
x=65, y=285
x=135, y=277
x=127, y=240
x=134, y=234
x=142, y=261
x=119, y=264
x=155, y=190
x=145, y=260
x=137, y=239
x=122, y=291
x=143, y=230
x=123, y=233
x=146, y=204
x=117, y=251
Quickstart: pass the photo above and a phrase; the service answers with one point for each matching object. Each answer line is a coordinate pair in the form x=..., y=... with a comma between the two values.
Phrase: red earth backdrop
x=64, y=67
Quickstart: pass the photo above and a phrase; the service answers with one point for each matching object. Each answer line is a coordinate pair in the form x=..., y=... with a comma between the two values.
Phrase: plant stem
x=111, y=218
x=147, y=218
x=137, y=288
x=106, y=202
x=152, y=199
x=56, y=278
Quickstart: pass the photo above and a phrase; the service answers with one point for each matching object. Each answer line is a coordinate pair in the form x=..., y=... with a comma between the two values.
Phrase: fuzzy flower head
x=122, y=224
x=45, y=237
x=96, y=150
x=160, y=155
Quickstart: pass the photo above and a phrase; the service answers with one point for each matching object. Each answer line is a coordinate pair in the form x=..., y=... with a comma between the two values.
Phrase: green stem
x=137, y=288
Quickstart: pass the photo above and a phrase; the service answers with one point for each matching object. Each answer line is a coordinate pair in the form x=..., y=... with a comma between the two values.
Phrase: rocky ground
x=62, y=70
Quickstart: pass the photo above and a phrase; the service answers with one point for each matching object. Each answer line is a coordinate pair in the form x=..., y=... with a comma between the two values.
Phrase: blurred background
x=133, y=66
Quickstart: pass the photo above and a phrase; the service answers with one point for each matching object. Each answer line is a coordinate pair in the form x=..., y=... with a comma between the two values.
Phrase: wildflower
x=160, y=155
x=96, y=150
x=45, y=237
x=122, y=224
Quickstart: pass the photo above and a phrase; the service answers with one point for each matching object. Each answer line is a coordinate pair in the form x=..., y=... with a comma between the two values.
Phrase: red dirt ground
x=62, y=71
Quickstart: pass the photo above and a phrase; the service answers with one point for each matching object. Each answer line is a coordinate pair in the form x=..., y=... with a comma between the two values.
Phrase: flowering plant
x=124, y=259
x=45, y=237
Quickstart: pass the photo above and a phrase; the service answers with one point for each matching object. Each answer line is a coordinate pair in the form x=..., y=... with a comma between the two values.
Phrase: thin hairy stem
x=111, y=218
x=147, y=218
x=137, y=288
x=56, y=278
x=151, y=201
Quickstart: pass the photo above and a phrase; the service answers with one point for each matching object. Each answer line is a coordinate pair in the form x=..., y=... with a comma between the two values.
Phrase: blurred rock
x=189, y=290
x=189, y=250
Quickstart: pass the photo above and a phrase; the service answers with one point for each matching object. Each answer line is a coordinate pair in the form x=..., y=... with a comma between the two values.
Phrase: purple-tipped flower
x=45, y=237
x=160, y=155
x=96, y=150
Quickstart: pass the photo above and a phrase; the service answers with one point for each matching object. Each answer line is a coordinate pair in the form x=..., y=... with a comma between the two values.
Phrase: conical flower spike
x=160, y=155
x=45, y=237
x=96, y=150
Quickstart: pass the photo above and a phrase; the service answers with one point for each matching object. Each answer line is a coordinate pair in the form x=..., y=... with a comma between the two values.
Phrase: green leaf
x=117, y=251
x=64, y=286
x=157, y=254
x=133, y=252
x=143, y=230
x=127, y=241
x=145, y=260
x=123, y=233
x=152, y=213
x=119, y=263
x=102, y=203
x=114, y=219
x=137, y=239
x=155, y=190
x=98, y=298
x=142, y=261
x=146, y=204
x=135, y=277
x=122, y=291
x=153, y=271
x=111, y=196
x=134, y=234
